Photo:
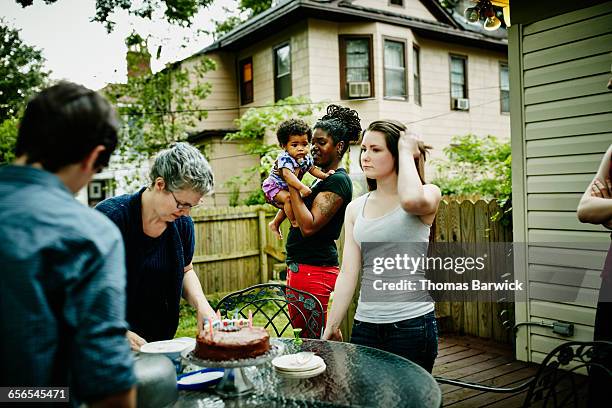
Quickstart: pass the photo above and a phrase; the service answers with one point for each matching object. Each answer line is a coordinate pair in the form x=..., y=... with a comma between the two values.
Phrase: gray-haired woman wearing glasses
x=159, y=243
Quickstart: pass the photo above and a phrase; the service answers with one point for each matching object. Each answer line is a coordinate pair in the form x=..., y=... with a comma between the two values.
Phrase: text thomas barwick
x=426, y=284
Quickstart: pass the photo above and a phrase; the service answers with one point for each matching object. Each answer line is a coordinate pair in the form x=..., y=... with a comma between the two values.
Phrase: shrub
x=477, y=166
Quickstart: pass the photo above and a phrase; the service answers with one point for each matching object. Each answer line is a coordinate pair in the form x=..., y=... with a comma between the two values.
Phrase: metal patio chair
x=281, y=306
x=555, y=383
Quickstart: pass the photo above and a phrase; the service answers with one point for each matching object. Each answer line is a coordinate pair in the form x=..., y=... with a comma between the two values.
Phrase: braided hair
x=342, y=124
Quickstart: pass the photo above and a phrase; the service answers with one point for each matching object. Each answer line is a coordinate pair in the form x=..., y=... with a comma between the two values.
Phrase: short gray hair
x=183, y=166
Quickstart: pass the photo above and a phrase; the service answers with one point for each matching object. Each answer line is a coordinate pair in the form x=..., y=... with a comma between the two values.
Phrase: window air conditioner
x=461, y=104
x=358, y=89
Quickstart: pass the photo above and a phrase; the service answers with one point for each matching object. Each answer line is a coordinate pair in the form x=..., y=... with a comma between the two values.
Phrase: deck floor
x=476, y=360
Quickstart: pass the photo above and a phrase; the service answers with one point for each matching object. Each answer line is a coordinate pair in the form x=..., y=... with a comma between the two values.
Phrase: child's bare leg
x=275, y=224
x=283, y=197
x=289, y=213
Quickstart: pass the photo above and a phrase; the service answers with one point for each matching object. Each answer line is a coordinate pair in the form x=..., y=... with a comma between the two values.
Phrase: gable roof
x=449, y=26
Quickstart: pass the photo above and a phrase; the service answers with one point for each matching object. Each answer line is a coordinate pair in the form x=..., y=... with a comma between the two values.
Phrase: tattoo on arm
x=324, y=207
x=329, y=204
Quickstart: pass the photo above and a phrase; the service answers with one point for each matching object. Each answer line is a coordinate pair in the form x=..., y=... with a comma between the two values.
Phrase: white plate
x=302, y=374
x=298, y=362
x=201, y=378
x=190, y=341
x=164, y=347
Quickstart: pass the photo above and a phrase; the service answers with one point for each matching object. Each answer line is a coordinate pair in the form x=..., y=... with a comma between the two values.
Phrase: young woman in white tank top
x=399, y=199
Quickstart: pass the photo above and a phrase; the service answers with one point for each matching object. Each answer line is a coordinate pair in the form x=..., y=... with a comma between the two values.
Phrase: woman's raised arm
x=415, y=198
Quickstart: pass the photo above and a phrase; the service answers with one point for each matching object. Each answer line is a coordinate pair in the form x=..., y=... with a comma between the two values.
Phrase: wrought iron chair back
x=281, y=307
x=556, y=383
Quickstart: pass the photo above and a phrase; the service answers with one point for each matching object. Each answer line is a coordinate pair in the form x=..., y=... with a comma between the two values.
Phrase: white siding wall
x=560, y=68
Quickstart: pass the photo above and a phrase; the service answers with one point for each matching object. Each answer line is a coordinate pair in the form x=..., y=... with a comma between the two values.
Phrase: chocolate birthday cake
x=231, y=340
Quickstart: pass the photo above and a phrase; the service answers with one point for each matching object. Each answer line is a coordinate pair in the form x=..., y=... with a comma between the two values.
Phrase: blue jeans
x=415, y=339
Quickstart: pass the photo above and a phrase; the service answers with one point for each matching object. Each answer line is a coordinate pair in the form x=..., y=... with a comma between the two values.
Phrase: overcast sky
x=83, y=52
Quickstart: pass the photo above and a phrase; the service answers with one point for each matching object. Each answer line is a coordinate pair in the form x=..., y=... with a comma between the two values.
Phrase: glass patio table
x=356, y=376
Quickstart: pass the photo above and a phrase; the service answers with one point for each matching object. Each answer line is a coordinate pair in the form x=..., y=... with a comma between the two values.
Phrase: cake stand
x=235, y=383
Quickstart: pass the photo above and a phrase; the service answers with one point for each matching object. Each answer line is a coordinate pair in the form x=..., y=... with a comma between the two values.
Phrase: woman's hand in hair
x=409, y=143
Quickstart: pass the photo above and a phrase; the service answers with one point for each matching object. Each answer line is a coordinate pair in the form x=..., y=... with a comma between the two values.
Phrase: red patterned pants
x=317, y=280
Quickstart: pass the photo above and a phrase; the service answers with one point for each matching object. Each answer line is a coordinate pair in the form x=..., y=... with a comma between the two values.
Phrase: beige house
x=409, y=60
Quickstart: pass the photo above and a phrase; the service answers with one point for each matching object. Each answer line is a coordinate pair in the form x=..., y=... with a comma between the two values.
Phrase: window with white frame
x=356, y=78
x=395, y=69
x=458, y=78
x=504, y=88
x=282, y=72
x=416, y=73
x=98, y=190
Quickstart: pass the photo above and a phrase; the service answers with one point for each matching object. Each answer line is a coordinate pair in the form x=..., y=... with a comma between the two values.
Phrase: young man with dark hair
x=62, y=281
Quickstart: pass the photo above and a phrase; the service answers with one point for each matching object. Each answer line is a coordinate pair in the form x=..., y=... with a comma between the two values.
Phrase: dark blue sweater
x=154, y=267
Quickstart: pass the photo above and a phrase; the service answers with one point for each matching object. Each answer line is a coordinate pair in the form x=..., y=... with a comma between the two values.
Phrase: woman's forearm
x=595, y=210
x=193, y=294
x=595, y=205
x=409, y=186
x=343, y=296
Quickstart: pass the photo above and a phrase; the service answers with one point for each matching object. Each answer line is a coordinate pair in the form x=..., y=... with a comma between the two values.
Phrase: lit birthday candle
x=250, y=319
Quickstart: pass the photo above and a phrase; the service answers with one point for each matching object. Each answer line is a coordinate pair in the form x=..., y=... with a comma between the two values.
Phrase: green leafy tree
x=477, y=166
x=247, y=9
x=256, y=126
x=157, y=109
x=179, y=12
x=225, y=26
x=22, y=74
x=255, y=6
x=8, y=138
x=22, y=71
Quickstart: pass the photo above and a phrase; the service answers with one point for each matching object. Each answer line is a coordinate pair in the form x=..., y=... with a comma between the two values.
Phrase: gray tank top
x=395, y=226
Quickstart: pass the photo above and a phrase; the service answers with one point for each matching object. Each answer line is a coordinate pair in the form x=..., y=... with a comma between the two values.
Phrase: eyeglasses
x=183, y=206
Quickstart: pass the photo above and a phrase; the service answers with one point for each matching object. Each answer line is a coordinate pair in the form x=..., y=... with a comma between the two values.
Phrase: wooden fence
x=235, y=249
x=471, y=222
